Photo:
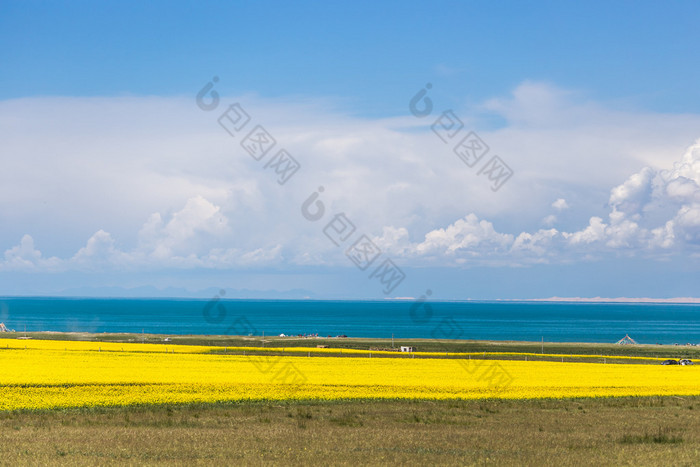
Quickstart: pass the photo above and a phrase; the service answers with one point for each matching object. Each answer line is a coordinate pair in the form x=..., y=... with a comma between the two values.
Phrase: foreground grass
x=641, y=431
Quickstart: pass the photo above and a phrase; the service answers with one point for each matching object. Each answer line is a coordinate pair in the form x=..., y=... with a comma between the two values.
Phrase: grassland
x=608, y=431
x=140, y=399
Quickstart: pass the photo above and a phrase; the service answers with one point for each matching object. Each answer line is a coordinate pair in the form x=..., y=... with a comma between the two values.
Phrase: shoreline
x=581, y=300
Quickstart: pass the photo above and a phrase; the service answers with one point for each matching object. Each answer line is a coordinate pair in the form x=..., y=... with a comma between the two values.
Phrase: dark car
x=669, y=362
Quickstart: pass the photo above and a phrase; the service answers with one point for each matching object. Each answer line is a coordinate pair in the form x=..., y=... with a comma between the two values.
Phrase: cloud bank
x=93, y=184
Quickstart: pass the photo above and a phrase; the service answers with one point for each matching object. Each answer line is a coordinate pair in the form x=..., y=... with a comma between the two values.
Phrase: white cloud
x=155, y=182
x=687, y=222
x=550, y=220
x=633, y=226
x=465, y=235
x=198, y=217
x=593, y=233
x=538, y=243
x=98, y=250
x=26, y=257
x=663, y=237
x=652, y=209
x=634, y=193
x=560, y=204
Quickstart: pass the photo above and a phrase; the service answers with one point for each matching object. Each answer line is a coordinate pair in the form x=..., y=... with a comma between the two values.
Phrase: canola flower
x=57, y=374
x=141, y=347
x=38, y=344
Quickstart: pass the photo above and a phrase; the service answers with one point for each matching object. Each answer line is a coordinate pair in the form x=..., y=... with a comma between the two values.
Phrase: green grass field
x=625, y=431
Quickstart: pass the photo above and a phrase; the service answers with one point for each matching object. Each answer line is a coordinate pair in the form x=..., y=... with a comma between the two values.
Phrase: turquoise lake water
x=555, y=322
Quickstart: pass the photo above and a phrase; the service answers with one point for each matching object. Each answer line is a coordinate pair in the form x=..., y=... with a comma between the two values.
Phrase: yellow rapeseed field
x=139, y=347
x=49, y=374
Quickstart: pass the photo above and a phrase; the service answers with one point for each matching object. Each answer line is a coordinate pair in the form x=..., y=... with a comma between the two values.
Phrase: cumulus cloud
x=99, y=250
x=687, y=223
x=197, y=217
x=465, y=235
x=639, y=222
x=26, y=257
x=634, y=193
x=186, y=237
x=182, y=240
x=560, y=204
x=549, y=220
x=652, y=209
x=538, y=243
x=155, y=182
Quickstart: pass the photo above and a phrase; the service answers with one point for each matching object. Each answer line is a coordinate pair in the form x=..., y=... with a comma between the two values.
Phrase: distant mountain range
x=301, y=294
x=174, y=292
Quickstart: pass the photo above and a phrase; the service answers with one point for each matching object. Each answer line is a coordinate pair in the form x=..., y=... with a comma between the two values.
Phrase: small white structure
x=405, y=348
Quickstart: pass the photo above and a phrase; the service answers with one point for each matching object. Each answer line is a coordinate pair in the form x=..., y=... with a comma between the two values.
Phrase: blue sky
x=113, y=177
x=368, y=53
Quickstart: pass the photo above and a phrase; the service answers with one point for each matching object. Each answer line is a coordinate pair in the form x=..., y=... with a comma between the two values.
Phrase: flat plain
x=588, y=431
x=104, y=399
